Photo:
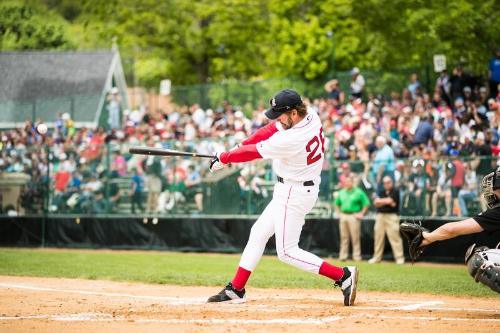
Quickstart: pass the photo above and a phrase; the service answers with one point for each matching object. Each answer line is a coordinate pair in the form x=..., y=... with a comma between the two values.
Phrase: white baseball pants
x=284, y=217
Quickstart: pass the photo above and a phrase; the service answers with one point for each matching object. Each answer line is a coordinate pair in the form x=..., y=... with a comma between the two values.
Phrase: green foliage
x=410, y=32
x=27, y=26
x=216, y=269
x=208, y=41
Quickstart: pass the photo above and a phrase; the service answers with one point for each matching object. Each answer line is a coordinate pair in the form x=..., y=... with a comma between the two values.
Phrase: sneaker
x=373, y=261
x=348, y=284
x=229, y=293
x=400, y=261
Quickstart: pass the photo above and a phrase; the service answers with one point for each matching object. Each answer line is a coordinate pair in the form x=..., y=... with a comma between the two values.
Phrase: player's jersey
x=298, y=152
x=489, y=220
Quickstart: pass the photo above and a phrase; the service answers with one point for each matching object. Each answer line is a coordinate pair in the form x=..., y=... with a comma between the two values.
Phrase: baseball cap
x=282, y=102
x=418, y=162
x=355, y=71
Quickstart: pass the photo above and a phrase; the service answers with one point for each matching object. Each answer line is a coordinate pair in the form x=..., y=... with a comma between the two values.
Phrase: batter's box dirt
x=60, y=305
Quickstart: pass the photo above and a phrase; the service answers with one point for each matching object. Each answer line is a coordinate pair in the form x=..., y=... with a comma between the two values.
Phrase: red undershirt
x=248, y=151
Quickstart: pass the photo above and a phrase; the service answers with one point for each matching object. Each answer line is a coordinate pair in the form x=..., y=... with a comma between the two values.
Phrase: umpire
x=387, y=221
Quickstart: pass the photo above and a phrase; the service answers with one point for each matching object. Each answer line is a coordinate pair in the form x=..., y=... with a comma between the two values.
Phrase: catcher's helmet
x=489, y=184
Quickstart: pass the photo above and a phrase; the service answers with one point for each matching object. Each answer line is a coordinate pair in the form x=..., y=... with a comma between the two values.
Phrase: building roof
x=42, y=83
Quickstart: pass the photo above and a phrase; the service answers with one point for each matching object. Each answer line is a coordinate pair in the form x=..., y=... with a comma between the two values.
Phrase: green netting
x=82, y=108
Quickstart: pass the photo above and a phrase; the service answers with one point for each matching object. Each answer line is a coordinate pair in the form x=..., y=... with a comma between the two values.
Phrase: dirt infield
x=69, y=305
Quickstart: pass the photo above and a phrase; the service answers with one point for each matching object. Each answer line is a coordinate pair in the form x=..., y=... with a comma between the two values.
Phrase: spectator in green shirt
x=351, y=205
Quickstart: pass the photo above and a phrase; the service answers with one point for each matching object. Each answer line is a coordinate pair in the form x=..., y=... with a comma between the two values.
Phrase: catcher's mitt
x=413, y=234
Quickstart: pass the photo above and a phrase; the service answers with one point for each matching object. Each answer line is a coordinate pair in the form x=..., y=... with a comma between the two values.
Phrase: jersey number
x=312, y=148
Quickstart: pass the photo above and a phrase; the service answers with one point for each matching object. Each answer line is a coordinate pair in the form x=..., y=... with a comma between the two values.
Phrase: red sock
x=333, y=272
x=241, y=278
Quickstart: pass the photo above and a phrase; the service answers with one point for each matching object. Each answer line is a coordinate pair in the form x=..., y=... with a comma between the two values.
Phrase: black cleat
x=229, y=293
x=348, y=284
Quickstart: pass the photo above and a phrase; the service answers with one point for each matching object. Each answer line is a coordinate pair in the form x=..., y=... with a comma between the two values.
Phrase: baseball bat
x=164, y=152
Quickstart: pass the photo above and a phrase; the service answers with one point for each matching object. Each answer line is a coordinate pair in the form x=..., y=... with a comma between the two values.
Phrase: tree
x=193, y=42
x=27, y=26
x=407, y=33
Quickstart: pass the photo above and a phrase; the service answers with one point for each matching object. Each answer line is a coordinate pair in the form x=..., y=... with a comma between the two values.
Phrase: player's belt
x=306, y=183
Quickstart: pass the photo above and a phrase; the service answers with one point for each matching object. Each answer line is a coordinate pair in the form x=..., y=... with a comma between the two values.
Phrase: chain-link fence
x=253, y=93
x=106, y=179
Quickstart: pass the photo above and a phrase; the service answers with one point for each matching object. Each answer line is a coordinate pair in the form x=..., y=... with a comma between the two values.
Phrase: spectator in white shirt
x=357, y=83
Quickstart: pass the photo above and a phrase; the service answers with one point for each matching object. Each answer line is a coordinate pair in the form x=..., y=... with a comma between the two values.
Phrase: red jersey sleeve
x=261, y=134
x=242, y=154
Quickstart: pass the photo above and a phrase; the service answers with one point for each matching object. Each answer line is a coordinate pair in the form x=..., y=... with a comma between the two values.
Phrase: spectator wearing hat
x=459, y=109
x=113, y=107
x=357, y=83
x=468, y=96
x=414, y=87
x=351, y=205
x=387, y=222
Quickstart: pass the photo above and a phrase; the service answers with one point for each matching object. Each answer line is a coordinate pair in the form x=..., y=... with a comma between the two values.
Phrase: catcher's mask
x=490, y=183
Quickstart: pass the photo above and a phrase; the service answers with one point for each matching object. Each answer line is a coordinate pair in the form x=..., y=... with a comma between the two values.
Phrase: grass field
x=217, y=269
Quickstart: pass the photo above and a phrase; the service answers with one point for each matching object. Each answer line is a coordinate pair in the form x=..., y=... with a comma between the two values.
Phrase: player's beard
x=288, y=124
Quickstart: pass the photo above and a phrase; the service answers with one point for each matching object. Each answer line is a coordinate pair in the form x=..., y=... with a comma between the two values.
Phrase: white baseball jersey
x=297, y=155
x=298, y=152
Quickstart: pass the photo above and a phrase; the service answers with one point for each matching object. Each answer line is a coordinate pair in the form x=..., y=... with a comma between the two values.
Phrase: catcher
x=482, y=263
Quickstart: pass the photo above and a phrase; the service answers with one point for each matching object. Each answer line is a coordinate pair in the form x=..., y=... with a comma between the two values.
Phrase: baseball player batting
x=295, y=144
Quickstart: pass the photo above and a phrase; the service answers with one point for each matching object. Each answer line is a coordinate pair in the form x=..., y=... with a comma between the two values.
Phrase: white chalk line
x=177, y=300
x=184, y=300
x=428, y=305
x=416, y=306
x=425, y=308
x=169, y=300
x=427, y=318
x=103, y=317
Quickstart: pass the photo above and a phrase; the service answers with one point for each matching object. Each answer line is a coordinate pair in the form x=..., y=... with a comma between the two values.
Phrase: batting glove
x=215, y=163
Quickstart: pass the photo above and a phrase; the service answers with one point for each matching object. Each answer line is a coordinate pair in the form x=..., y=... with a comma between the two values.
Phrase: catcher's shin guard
x=483, y=265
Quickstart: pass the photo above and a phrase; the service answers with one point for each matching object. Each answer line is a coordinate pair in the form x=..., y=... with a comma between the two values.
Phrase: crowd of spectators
x=434, y=145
